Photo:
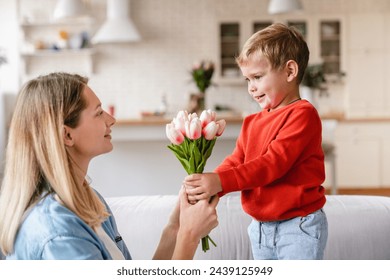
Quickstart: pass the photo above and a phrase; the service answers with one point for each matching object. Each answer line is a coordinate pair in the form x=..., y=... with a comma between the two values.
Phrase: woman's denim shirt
x=52, y=231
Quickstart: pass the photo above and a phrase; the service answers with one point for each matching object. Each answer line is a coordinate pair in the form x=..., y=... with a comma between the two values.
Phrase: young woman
x=48, y=210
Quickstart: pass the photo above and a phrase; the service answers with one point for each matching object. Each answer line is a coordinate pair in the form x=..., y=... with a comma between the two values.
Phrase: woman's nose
x=110, y=119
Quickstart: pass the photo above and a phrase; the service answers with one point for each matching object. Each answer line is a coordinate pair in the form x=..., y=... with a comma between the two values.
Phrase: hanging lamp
x=69, y=9
x=284, y=6
x=118, y=27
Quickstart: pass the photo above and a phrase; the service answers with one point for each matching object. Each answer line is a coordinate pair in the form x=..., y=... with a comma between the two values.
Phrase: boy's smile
x=271, y=88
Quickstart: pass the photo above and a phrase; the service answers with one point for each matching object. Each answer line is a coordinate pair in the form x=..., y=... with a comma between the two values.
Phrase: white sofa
x=359, y=226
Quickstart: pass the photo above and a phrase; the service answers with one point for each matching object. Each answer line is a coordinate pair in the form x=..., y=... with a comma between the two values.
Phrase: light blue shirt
x=52, y=231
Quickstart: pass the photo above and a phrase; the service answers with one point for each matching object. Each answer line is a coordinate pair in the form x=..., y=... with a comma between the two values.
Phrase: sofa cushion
x=359, y=226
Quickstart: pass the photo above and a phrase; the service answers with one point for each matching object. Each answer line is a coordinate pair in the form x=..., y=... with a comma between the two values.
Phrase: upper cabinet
x=260, y=25
x=367, y=69
x=330, y=45
x=229, y=49
x=323, y=35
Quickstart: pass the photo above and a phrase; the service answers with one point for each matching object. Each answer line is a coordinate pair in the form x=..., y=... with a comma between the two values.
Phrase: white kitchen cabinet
x=367, y=70
x=358, y=163
x=370, y=25
x=366, y=85
x=363, y=154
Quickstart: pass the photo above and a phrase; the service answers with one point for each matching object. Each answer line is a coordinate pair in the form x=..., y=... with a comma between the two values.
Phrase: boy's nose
x=252, y=88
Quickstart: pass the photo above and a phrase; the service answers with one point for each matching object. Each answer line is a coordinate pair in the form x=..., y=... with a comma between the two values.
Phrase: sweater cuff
x=228, y=181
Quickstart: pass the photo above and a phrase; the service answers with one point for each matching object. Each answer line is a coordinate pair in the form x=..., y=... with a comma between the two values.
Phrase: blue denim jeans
x=300, y=238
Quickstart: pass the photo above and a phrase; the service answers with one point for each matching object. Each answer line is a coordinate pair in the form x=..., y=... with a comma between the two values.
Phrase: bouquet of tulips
x=192, y=141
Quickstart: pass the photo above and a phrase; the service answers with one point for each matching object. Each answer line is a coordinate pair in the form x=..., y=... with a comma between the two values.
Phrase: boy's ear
x=68, y=136
x=292, y=70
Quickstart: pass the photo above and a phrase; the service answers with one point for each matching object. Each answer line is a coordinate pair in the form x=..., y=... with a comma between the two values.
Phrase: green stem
x=205, y=243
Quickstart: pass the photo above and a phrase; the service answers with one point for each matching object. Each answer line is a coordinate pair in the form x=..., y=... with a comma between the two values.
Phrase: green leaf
x=209, y=149
x=192, y=165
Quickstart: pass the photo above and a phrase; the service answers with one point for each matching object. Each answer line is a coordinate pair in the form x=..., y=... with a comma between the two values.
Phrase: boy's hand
x=202, y=186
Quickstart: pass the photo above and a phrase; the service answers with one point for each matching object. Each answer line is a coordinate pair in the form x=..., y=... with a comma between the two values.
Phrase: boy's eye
x=257, y=77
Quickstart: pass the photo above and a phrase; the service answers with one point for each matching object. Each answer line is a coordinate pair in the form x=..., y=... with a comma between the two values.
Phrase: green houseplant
x=313, y=81
x=314, y=77
x=3, y=60
x=201, y=73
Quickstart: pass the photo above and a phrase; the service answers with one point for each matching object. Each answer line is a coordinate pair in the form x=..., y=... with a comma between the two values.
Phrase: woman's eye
x=100, y=113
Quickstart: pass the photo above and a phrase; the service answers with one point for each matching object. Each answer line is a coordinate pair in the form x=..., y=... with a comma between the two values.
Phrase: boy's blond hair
x=279, y=44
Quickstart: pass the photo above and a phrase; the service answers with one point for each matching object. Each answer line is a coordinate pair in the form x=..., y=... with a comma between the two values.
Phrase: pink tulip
x=221, y=127
x=196, y=65
x=210, y=130
x=193, y=128
x=174, y=135
x=179, y=123
x=206, y=117
x=183, y=114
x=192, y=116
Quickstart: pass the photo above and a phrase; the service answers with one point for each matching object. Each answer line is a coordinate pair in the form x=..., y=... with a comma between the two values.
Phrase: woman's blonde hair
x=37, y=161
x=279, y=44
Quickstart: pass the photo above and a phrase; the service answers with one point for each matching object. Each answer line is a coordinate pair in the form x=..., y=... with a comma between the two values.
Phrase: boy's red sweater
x=278, y=163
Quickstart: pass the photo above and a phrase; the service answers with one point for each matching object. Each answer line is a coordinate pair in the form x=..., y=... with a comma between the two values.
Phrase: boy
x=278, y=162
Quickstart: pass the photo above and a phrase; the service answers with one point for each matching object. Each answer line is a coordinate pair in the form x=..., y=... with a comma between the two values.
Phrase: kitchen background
x=351, y=36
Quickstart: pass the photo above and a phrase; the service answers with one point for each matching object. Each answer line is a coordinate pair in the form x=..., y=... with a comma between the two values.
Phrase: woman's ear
x=292, y=70
x=68, y=136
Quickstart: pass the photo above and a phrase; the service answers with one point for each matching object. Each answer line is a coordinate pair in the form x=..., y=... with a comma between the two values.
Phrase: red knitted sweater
x=278, y=163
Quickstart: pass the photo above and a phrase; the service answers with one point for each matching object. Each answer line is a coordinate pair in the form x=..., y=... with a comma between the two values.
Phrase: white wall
x=133, y=77
x=145, y=168
x=8, y=72
x=9, y=78
x=175, y=33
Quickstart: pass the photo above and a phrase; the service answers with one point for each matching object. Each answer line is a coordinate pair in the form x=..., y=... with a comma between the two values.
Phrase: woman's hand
x=187, y=224
x=196, y=221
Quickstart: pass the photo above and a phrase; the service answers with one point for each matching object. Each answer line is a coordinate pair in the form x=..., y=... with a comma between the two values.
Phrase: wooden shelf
x=65, y=52
x=58, y=23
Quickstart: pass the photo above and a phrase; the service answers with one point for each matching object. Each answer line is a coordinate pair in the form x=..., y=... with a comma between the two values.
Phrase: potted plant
x=3, y=60
x=314, y=77
x=313, y=80
x=201, y=73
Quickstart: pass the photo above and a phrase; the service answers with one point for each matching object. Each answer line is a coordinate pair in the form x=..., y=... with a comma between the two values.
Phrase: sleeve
x=301, y=129
x=71, y=248
x=235, y=159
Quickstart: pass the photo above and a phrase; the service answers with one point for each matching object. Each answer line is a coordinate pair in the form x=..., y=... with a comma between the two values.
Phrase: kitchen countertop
x=158, y=120
x=236, y=119
x=153, y=128
x=229, y=118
